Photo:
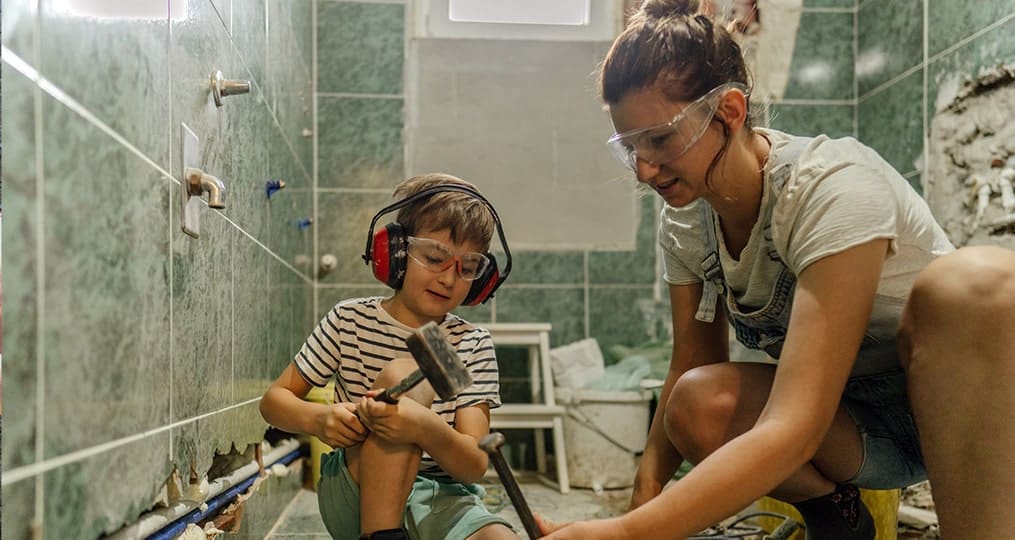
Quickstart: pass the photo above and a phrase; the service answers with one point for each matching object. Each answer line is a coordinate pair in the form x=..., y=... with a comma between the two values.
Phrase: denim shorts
x=880, y=407
x=436, y=509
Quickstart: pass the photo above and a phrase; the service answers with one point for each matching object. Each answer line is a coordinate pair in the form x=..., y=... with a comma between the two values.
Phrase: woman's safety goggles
x=437, y=257
x=663, y=142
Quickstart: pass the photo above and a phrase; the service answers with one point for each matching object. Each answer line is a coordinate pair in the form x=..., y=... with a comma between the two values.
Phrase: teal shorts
x=436, y=509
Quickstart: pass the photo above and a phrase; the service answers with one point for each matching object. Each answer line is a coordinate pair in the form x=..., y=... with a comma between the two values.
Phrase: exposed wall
x=907, y=51
x=132, y=348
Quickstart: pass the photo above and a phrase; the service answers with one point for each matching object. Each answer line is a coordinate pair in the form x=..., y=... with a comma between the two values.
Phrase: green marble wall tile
x=359, y=142
x=253, y=371
x=344, y=219
x=546, y=267
x=202, y=317
x=811, y=120
x=564, y=308
x=638, y=266
x=890, y=41
x=20, y=234
x=829, y=4
x=231, y=138
x=196, y=443
x=88, y=498
x=261, y=511
x=949, y=21
x=288, y=86
x=18, y=506
x=132, y=93
x=626, y=316
x=249, y=35
x=224, y=10
x=289, y=205
x=822, y=66
x=374, y=64
x=106, y=303
x=283, y=292
x=18, y=27
x=301, y=24
x=891, y=122
x=991, y=49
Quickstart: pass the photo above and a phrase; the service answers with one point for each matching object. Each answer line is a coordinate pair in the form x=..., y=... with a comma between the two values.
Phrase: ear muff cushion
x=482, y=287
x=387, y=255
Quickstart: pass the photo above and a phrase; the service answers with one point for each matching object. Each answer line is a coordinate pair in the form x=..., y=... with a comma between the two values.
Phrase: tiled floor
x=302, y=521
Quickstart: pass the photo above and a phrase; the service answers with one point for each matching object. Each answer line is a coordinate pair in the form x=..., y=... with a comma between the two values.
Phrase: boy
x=405, y=470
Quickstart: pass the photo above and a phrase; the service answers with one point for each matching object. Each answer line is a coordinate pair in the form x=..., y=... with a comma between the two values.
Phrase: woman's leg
x=713, y=404
x=385, y=471
x=957, y=344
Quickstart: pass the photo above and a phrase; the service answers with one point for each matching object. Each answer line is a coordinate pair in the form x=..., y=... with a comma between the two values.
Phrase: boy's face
x=427, y=295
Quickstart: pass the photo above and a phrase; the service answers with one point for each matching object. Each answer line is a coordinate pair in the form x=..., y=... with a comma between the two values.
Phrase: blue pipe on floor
x=176, y=528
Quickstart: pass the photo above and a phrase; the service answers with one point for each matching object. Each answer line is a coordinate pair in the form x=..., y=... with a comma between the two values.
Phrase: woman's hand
x=338, y=427
x=400, y=423
x=600, y=529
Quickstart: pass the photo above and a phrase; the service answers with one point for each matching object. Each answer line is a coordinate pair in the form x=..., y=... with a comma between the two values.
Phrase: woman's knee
x=701, y=406
x=971, y=284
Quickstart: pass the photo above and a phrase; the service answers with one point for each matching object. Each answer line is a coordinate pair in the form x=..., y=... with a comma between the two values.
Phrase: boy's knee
x=394, y=371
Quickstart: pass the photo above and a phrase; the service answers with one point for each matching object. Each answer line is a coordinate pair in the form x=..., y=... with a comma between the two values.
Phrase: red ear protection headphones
x=387, y=256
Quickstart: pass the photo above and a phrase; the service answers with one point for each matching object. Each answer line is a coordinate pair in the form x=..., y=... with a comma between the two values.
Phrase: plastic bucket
x=883, y=506
x=604, y=435
x=326, y=395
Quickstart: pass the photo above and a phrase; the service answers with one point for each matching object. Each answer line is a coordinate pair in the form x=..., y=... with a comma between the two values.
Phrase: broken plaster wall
x=971, y=160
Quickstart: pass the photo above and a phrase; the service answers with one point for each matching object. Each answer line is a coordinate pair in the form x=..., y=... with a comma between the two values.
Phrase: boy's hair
x=466, y=217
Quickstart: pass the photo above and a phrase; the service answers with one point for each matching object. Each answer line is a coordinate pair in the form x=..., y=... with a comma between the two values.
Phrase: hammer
x=491, y=445
x=438, y=363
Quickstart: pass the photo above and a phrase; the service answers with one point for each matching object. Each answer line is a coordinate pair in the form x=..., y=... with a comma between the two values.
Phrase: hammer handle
x=515, y=494
x=391, y=395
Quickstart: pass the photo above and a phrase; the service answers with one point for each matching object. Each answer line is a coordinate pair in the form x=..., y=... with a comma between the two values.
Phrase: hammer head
x=438, y=361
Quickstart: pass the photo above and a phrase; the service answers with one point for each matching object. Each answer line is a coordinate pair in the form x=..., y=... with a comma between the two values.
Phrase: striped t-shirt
x=357, y=338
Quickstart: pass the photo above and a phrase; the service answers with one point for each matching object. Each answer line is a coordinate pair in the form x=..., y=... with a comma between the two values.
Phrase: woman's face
x=669, y=162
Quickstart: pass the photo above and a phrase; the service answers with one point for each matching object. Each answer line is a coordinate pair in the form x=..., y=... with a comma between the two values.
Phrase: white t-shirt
x=357, y=338
x=840, y=195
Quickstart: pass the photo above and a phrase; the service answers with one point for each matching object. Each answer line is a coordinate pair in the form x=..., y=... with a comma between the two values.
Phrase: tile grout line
x=27, y=471
x=39, y=509
x=314, y=167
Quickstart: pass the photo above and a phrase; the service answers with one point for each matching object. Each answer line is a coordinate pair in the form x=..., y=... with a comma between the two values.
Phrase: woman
x=819, y=253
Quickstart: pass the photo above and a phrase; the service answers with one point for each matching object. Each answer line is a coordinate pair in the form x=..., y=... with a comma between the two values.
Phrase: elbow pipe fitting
x=199, y=182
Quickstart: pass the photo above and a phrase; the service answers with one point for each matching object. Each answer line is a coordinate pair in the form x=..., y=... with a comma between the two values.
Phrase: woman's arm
x=831, y=307
x=695, y=343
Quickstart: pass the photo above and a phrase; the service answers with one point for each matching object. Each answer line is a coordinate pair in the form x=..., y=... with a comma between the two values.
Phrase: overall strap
x=780, y=171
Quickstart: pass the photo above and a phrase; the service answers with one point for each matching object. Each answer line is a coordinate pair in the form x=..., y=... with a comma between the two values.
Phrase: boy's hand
x=400, y=423
x=338, y=427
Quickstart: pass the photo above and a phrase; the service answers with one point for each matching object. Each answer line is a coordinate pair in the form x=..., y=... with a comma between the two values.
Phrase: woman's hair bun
x=659, y=9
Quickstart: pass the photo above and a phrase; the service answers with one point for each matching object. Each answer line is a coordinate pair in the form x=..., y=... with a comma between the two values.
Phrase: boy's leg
x=958, y=348
x=385, y=471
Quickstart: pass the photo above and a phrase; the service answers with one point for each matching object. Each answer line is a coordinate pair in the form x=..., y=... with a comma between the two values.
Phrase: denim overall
x=875, y=394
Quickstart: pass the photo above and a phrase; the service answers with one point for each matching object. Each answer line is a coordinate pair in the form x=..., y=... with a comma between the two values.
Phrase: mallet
x=491, y=445
x=438, y=363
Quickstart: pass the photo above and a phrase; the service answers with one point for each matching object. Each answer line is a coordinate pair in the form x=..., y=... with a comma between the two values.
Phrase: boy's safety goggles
x=672, y=139
x=438, y=257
